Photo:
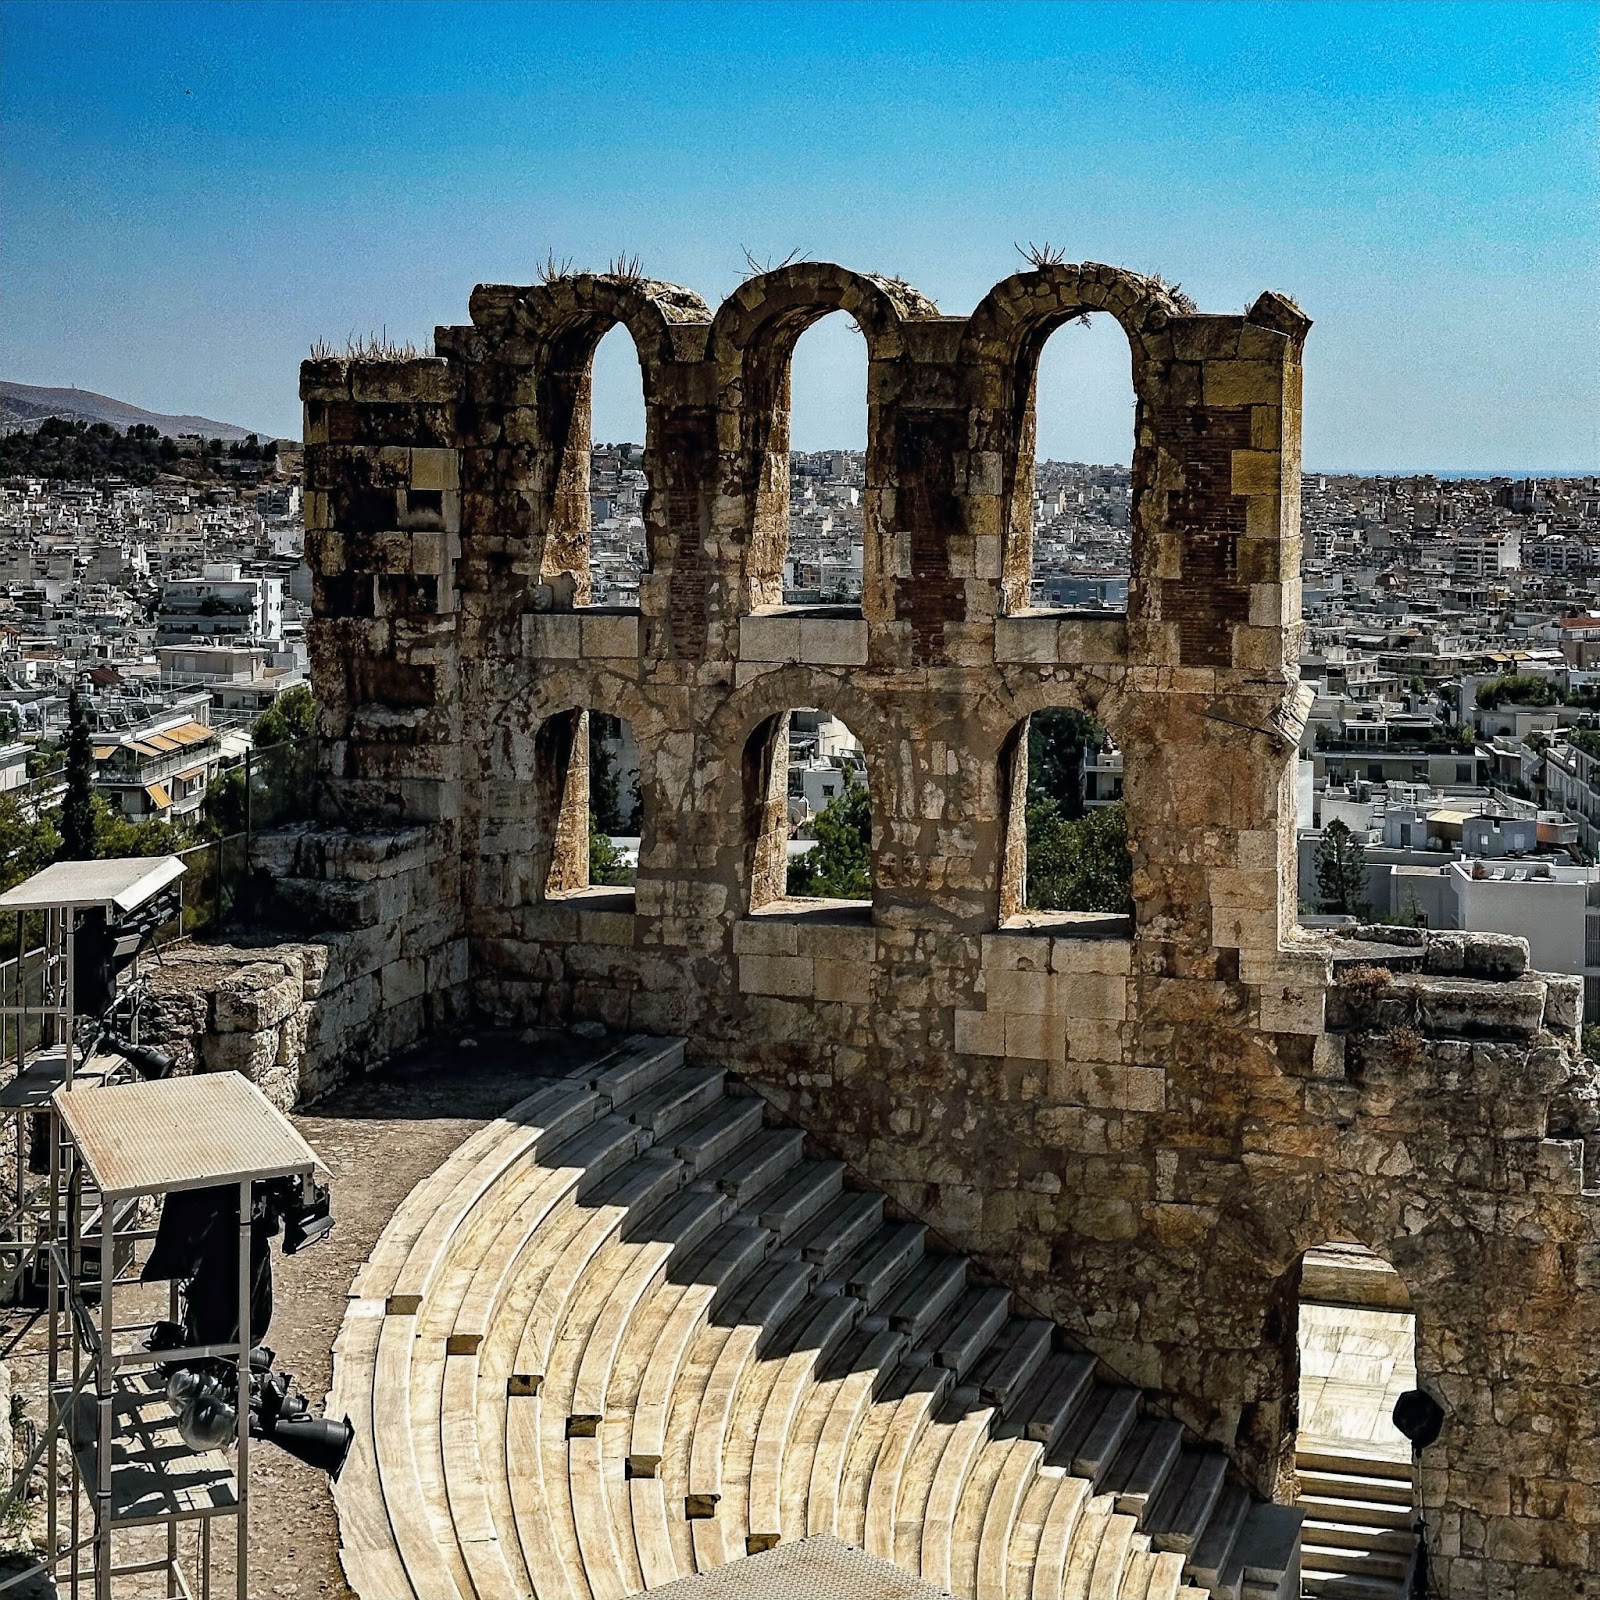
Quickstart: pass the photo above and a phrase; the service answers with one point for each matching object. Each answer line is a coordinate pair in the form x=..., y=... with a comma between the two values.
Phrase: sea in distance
x=1453, y=475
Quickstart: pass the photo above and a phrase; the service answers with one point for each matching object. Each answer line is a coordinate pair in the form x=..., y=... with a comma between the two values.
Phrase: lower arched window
x=809, y=812
x=591, y=801
x=1066, y=834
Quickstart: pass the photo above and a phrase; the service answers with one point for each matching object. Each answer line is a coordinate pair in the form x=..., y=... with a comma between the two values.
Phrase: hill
x=24, y=406
x=71, y=450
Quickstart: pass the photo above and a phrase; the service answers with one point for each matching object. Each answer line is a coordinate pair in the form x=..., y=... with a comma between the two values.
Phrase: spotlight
x=1419, y=1417
x=283, y=1417
x=146, y=1060
x=305, y=1220
x=206, y=1419
x=320, y=1442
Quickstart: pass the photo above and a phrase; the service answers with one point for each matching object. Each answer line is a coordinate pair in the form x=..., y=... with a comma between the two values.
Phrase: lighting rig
x=196, y=1246
x=150, y=1425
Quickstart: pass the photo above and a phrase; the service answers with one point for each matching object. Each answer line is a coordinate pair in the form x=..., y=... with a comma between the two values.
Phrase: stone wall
x=1141, y=1132
x=296, y=1017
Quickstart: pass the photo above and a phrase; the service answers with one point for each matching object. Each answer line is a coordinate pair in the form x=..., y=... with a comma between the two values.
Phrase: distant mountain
x=24, y=405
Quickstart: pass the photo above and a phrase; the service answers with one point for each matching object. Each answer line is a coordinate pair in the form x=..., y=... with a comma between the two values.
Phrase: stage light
x=206, y=1419
x=320, y=1442
x=146, y=1060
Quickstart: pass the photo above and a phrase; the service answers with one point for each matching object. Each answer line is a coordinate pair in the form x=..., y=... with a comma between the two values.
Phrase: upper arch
x=1022, y=311
x=569, y=316
x=770, y=311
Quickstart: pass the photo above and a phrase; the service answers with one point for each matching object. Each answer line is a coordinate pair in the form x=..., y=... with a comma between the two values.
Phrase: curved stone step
x=779, y=1297
x=731, y=1265
x=368, y=1550
x=622, y=1362
x=918, y=1302
x=413, y=1494
x=914, y=1406
x=549, y=1575
x=993, y=1508
x=830, y=1321
x=798, y=1195
x=1073, y=1508
x=1177, y=1519
x=719, y=1130
x=962, y=1451
x=1096, y=1430
x=573, y=1170
x=1026, y=1533
x=838, y=1229
x=1108, y=1567
x=684, y=1221
x=644, y=1181
x=849, y=1406
x=1009, y=1364
x=1143, y=1465
x=758, y=1165
x=595, y=1479
x=542, y=1120
x=633, y=1068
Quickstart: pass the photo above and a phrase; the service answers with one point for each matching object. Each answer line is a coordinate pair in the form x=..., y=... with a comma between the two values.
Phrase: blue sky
x=190, y=194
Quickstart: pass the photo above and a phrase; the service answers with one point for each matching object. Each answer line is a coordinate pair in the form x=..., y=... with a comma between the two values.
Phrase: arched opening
x=617, y=555
x=591, y=805
x=1066, y=854
x=809, y=812
x=1355, y=1355
x=824, y=539
x=1084, y=426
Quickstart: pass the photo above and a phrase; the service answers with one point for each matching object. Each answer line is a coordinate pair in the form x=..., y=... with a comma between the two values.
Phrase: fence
x=21, y=985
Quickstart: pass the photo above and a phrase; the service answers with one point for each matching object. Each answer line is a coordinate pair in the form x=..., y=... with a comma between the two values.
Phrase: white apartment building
x=222, y=604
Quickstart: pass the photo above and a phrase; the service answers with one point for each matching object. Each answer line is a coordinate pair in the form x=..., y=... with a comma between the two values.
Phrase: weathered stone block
x=833, y=641
x=790, y=976
x=605, y=637
x=769, y=638
x=981, y=1033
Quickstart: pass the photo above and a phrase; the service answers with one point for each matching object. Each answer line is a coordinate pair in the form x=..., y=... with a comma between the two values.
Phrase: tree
x=290, y=718
x=27, y=843
x=77, y=810
x=840, y=865
x=604, y=799
x=1057, y=741
x=1341, y=863
x=606, y=862
x=115, y=835
x=1079, y=864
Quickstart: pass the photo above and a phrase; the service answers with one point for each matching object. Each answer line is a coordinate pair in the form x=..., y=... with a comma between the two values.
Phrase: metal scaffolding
x=112, y=1445
x=113, y=1424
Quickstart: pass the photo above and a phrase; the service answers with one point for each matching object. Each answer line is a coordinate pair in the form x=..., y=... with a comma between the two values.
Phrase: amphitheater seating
x=630, y=1331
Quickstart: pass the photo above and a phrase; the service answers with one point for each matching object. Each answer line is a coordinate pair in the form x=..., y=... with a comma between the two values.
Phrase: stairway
x=1358, y=1534
x=630, y=1332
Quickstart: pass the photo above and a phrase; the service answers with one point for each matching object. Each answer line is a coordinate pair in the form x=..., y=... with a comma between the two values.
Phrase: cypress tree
x=77, y=809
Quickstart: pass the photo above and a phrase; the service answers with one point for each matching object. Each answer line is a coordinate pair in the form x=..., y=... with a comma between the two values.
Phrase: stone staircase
x=1358, y=1536
x=630, y=1332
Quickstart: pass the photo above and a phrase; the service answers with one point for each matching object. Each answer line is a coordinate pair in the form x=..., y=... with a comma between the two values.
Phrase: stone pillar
x=383, y=536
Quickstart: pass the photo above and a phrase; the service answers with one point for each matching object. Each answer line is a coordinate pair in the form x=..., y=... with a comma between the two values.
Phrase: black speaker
x=1419, y=1417
x=320, y=1442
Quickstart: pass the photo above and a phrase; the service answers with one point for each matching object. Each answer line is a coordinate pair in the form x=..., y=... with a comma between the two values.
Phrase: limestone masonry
x=1139, y=1128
